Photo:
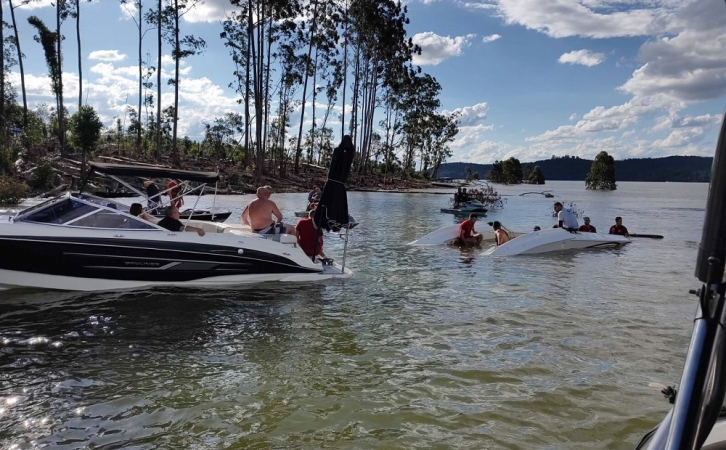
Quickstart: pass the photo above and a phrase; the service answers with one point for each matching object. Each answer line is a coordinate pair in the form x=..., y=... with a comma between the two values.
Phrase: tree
x=602, y=173
x=85, y=131
x=48, y=39
x=16, y=41
x=512, y=171
x=536, y=177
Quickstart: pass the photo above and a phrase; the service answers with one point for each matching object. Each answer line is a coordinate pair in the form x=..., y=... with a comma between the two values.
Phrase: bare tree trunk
x=157, y=152
x=315, y=92
x=267, y=92
x=177, y=57
x=80, y=53
x=257, y=81
x=20, y=63
x=141, y=37
x=3, y=131
x=345, y=71
x=247, y=100
x=61, y=127
x=298, y=150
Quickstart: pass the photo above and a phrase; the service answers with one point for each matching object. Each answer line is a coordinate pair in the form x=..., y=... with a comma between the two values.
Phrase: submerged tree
x=536, y=177
x=602, y=173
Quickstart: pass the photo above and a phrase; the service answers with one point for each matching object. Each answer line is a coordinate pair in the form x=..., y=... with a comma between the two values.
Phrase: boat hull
x=555, y=240
x=449, y=235
x=202, y=215
x=88, y=260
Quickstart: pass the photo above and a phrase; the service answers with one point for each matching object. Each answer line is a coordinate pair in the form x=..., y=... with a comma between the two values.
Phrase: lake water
x=423, y=348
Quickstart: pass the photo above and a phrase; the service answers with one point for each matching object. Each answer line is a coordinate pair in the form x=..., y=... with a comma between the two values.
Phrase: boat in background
x=472, y=207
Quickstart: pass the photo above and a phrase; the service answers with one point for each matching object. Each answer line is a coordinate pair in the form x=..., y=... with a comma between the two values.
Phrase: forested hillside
x=671, y=168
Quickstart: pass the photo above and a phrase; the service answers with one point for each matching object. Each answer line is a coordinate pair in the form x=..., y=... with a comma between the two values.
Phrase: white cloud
x=106, y=55
x=491, y=38
x=471, y=115
x=582, y=57
x=574, y=116
x=435, y=48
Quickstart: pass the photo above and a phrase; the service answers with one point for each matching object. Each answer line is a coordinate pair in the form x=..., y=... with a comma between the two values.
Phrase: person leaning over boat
x=258, y=214
x=565, y=217
x=587, y=227
x=307, y=236
x=618, y=228
x=467, y=234
x=171, y=221
x=499, y=233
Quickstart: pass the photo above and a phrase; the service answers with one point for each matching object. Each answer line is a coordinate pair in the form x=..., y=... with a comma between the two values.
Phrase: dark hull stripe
x=130, y=259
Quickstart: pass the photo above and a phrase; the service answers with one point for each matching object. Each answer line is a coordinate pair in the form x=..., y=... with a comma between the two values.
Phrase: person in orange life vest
x=467, y=234
x=587, y=227
x=174, y=191
x=307, y=235
x=618, y=228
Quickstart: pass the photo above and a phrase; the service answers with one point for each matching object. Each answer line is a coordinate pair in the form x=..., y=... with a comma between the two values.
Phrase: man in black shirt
x=152, y=194
x=171, y=222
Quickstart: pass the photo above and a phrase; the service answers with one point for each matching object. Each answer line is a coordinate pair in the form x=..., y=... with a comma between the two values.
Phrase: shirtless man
x=258, y=215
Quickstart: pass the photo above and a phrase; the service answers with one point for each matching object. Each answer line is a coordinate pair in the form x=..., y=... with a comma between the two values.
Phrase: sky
x=530, y=79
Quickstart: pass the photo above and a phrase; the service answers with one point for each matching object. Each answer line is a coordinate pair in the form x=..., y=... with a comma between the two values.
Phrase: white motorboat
x=82, y=242
x=449, y=235
x=557, y=239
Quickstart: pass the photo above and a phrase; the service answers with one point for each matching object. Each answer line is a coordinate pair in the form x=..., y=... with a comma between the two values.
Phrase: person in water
x=565, y=217
x=587, y=227
x=499, y=233
x=467, y=234
x=537, y=228
x=618, y=228
x=258, y=214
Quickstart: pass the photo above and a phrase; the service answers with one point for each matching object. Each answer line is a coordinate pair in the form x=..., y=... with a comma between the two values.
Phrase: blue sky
x=530, y=78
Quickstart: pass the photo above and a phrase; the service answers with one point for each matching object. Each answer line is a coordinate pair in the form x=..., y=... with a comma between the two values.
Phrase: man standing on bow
x=565, y=218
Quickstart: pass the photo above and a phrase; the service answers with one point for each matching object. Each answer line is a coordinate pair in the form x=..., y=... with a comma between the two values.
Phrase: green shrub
x=12, y=191
x=42, y=177
x=235, y=178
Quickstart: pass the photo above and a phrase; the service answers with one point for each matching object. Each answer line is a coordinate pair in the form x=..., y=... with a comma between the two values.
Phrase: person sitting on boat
x=500, y=234
x=467, y=234
x=587, y=227
x=259, y=212
x=565, y=218
x=307, y=236
x=152, y=194
x=174, y=192
x=137, y=210
x=314, y=195
x=618, y=228
x=172, y=223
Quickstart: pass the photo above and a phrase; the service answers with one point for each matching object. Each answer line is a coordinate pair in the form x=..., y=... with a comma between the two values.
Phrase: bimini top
x=129, y=170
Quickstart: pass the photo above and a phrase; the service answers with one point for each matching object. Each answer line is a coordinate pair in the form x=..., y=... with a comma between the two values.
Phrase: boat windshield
x=76, y=213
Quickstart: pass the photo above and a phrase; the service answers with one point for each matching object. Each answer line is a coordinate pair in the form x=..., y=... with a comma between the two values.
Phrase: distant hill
x=671, y=168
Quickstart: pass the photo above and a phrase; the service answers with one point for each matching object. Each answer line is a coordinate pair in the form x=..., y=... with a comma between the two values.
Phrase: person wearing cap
x=565, y=217
x=618, y=228
x=499, y=233
x=587, y=227
x=467, y=234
